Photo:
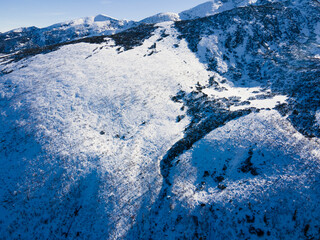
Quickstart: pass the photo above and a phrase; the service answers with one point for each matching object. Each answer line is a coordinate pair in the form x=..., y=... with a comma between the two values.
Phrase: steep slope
x=254, y=177
x=199, y=129
x=273, y=46
x=217, y=6
x=100, y=122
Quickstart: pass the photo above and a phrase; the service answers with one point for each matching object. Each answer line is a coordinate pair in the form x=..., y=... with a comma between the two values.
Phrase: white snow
x=246, y=94
x=208, y=48
x=17, y=30
x=318, y=117
x=87, y=126
x=82, y=91
x=267, y=132
x=161, y=17
x=243, y=93
x=93, y=25
x=103, y=17
x=286, y=162
x=213, y=7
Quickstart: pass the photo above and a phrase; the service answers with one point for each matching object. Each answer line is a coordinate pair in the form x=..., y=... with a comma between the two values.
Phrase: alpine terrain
x=199, y=125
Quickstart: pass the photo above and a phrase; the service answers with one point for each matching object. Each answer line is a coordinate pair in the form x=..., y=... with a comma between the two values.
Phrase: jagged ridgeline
x=202, y=124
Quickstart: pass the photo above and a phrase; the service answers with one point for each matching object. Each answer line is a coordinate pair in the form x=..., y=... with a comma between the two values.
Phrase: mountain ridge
x=33, y=37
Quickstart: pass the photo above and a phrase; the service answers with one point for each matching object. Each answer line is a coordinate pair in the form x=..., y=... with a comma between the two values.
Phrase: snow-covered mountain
x=161, y=17
x=217, y=6
x=198, y=129
x=33, y=37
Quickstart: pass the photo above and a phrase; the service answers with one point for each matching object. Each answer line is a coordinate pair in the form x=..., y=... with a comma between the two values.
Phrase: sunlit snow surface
x=214, y=7
x=100, y=121
x=82, y=140
x=282, y=156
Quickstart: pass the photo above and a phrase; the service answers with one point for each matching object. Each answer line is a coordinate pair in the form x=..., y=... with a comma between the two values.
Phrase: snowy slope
x=265, y=46
x=103, y=18
x=161, y=17
x=213, y=7
x=202, y=129
x=218, y=6
x=254, y=177
x=100, y=126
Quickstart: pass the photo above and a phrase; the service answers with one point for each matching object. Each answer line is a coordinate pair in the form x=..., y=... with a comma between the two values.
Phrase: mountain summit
x=161, y=17
x=103, y=18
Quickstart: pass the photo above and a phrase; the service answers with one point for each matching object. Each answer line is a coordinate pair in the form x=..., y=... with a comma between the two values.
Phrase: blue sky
x=41, y=13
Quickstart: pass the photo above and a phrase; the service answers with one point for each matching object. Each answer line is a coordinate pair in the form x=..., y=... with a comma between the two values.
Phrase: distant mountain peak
x=103, y=17
x=214, y=7
x=33, y=37
x=161, y=17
